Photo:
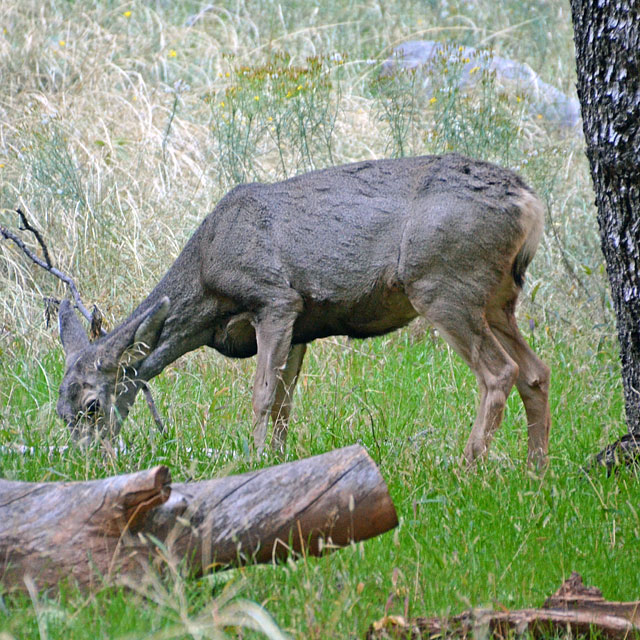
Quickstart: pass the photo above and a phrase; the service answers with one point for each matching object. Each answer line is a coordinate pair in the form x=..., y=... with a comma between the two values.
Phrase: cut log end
x=149, y=491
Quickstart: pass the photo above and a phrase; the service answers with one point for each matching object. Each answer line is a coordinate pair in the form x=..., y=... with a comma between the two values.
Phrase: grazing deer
x=356, y=250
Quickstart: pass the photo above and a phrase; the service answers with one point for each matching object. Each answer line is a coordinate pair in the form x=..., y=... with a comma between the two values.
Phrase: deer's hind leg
x=281, y=408
x=532, y=381
x=464, y=326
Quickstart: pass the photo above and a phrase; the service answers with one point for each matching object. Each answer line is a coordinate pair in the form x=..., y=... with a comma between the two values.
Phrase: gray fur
x=356, y=250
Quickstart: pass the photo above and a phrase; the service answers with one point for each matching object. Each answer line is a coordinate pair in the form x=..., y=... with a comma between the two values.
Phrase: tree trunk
x=99, y=530
x=607, y=42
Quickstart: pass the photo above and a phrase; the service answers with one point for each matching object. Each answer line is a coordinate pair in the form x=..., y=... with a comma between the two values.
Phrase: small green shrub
x=275, y=110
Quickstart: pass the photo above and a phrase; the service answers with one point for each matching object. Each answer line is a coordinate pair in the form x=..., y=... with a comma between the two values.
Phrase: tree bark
x=607, y=42
x=99, y=530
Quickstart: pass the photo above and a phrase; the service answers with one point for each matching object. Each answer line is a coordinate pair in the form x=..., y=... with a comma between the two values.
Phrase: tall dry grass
x=123, y=123
x=110, y=130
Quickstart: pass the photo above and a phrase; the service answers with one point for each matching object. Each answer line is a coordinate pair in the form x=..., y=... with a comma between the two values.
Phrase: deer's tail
x=532, y=221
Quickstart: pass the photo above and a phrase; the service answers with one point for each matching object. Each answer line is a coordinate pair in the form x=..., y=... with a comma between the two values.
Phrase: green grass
x=120, y=130
x=494, y=537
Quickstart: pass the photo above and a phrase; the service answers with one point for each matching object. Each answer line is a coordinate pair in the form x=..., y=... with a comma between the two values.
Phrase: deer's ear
x=148, y=332
x=72, y=334
x=132, y=342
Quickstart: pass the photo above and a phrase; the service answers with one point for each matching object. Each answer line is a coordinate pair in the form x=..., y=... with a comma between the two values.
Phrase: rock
x=470, y=64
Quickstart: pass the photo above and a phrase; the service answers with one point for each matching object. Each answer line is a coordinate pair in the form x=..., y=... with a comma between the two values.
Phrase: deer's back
x=346, y=239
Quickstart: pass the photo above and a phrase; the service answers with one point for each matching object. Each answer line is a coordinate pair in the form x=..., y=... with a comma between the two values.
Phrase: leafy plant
x=276, y=108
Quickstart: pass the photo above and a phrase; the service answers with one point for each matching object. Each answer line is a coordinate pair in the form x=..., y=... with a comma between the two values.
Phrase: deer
x=357, y=250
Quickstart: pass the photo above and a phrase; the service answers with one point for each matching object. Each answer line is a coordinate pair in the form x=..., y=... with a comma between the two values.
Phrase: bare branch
x=96, y=329
x=574, y=610
x=93, y=317
x=46, y=263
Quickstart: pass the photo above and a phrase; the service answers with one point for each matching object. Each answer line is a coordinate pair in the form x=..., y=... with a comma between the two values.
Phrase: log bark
x=574, y=610
x=99, y=530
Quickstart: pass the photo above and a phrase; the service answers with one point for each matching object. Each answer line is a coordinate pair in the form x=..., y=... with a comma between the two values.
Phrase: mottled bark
x=99, y=530
x=607, y=42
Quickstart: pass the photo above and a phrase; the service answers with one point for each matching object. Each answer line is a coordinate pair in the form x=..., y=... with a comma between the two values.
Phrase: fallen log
x=574, y=610
x=96, y=531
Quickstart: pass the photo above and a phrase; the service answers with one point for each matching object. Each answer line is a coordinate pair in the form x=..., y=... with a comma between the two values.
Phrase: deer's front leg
x=281, y=407
x=273, y=335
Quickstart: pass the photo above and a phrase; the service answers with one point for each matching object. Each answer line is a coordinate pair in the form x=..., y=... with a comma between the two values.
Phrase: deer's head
x=100, y=382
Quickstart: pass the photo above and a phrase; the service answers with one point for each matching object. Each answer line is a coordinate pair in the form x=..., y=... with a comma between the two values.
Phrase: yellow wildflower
x=433, y=100
x=256, y=98
x=474, y=70
x=62, y=43
x=127, y=14
x=173, y=53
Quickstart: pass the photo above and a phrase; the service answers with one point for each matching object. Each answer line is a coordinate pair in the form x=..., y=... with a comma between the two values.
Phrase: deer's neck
x=191, y=313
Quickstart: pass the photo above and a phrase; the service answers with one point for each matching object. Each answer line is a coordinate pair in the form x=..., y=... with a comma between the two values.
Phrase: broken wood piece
x=573, y=610
x=575, y=596
x=96, y=531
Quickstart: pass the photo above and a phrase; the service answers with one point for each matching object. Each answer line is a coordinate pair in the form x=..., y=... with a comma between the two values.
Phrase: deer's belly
x=371, y=316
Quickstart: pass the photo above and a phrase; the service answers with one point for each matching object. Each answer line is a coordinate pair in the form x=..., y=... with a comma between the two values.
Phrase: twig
x=373, y=428
x=94, y=318
x=27, y=227
x=565, y=260
x=177, y=88
x=152, y=407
